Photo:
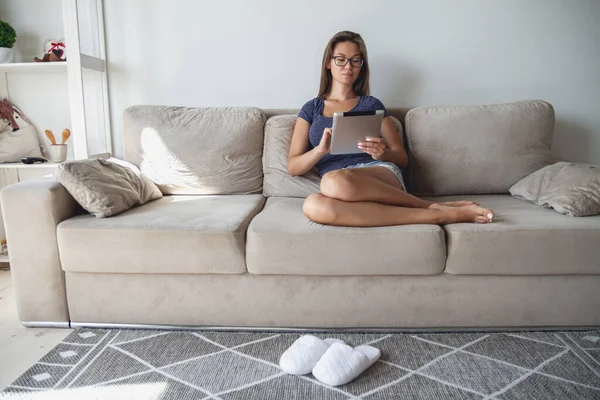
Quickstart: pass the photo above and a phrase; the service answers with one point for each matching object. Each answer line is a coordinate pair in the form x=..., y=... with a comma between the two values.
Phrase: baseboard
x=45, y=324
x=101, y=325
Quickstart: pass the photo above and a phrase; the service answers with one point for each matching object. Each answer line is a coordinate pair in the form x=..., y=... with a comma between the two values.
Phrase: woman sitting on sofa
x=366, y=188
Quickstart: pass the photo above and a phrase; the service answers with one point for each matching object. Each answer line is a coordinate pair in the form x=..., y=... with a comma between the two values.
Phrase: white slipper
x=341, y=363
x=304, y=353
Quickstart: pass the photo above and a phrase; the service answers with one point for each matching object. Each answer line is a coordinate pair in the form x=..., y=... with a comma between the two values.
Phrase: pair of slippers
x=331, y=361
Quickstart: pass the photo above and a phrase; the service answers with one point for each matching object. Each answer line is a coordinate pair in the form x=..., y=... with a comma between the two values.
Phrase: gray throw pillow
x=569, y=188
x=106, y=187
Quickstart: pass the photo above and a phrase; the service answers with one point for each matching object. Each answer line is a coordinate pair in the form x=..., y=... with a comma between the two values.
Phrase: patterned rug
x=143, y=364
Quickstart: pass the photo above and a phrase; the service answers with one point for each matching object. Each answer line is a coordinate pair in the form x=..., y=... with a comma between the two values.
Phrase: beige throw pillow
x=569, y=188
x=106, y=187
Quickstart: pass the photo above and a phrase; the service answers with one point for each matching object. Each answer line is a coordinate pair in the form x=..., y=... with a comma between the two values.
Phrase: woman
x=366, y=188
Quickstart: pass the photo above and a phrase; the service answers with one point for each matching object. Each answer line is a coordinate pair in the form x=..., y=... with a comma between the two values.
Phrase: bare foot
x=460, y=203
x=472, y=213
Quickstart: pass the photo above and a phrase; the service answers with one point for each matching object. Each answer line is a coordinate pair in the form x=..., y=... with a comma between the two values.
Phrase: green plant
x=7, y=35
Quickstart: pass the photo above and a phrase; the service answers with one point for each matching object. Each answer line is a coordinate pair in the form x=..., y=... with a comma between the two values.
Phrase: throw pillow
x=106, y=187
x=569, y=188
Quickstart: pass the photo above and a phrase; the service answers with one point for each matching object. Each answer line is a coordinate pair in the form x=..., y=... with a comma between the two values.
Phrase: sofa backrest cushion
x=477, y=149
x=277, y=180
x=183, y=150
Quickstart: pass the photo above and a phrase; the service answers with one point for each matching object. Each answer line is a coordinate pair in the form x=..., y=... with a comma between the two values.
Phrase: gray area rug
x=143, y=364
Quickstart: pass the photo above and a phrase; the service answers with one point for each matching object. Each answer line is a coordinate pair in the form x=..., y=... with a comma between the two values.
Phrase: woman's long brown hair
x=361, y=85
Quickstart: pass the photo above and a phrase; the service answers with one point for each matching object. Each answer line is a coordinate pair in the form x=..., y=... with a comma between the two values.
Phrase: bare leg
x=325, y=210
x=376, y=184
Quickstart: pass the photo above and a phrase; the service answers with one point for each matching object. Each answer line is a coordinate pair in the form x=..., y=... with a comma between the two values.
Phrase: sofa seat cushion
x=282, y=240
x=525, y=239
x=175, y=234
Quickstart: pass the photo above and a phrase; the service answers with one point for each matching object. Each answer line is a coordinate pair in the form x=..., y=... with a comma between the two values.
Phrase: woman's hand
x=325, y=143
x=373, y=146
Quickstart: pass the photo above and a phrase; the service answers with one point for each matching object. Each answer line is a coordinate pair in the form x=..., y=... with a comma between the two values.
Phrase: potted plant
x=7, y=41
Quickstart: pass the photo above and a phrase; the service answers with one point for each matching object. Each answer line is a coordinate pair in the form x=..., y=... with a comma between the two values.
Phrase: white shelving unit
x=86, y=82
x=33, y=67
x=83, y=23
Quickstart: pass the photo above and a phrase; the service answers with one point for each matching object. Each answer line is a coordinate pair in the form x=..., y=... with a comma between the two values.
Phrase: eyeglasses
x=342, y=61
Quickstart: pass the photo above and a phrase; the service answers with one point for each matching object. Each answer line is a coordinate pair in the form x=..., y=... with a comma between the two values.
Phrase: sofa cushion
x=525, y=239
x=477, y=149
x=569, y=188
x=175, y=234
x=282, y=240
x=196, y=150
x=277, y=180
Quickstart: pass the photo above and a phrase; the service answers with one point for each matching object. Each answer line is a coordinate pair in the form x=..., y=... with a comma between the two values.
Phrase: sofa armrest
x=31, y=212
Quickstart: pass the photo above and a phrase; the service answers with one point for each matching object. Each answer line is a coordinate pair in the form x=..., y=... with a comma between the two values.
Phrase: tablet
x=352, y=127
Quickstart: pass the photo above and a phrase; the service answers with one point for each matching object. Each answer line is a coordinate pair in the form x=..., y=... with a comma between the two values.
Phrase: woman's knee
x=339, y=184
x=319, y=208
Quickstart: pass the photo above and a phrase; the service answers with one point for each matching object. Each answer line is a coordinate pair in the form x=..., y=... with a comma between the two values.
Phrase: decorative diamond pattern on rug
x=86, y=336
x=416, y=387
x=591, y=338
x=170, y=348
x=155, y=364
x=545, y=337
x=586, y=340
x=379, y=374
x=109, y=364
x=66, y=354
x=155, y=386
x=570, y=367
x=239, y=338
x=540, y=387
x=286, y=387
x=41, y=376
x=522, y=352
x=409, y=352
x=221, y=372
x=270, y=350
x=473, y=372
x=129, y=335
x=595, y=354
x=451, y=339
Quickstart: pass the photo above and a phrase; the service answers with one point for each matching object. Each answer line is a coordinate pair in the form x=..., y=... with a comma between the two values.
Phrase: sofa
x=228, y=244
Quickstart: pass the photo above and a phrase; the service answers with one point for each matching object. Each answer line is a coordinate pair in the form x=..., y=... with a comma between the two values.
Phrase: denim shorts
x=391, y=166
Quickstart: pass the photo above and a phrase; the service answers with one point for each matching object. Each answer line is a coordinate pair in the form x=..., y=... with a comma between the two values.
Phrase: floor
x=20, y=347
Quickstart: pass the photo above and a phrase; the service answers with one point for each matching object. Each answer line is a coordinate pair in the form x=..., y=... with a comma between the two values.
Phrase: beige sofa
x=228, y=245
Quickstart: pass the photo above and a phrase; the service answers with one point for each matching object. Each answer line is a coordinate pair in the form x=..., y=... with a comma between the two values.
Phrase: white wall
x=438, y=52
x=432, y=52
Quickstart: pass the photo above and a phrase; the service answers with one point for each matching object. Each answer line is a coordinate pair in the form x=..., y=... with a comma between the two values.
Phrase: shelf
x=21, y=165
x=3, y=258
x=55, y=66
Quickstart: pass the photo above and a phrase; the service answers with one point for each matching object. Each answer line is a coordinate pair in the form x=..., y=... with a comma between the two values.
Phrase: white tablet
x=352, y=127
